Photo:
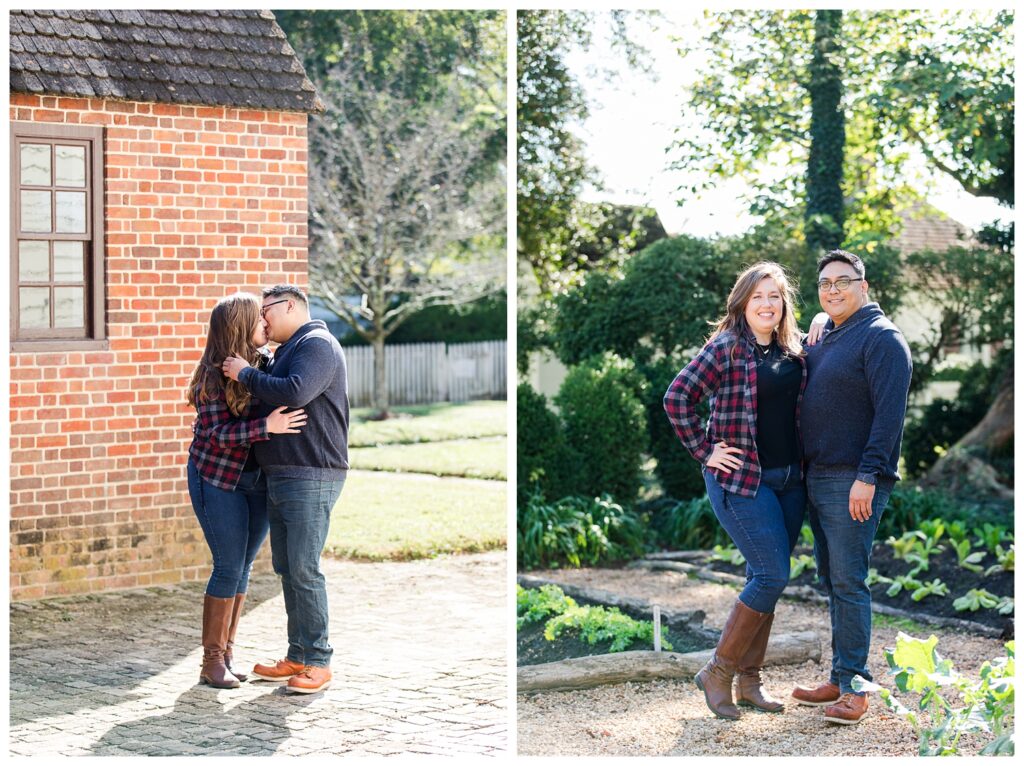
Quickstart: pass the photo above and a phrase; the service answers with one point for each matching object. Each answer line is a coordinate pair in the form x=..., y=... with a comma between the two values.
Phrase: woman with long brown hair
x=227, y=488
x=752, y=369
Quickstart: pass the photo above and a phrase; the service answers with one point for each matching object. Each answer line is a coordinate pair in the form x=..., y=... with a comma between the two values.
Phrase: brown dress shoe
x=816, y=696
x=850, y=709
x=749, y=690
x=312, y=679
x=281, y=670
x=236, y=614
x=715, y=678
x=216, y=621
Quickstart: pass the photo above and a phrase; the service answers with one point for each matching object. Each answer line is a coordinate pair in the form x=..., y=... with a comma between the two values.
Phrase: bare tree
x=404, y=214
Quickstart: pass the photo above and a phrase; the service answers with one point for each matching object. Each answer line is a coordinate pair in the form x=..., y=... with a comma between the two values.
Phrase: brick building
x=158, y=163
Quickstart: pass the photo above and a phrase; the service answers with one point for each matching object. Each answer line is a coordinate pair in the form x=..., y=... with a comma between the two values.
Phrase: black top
x=778, y=386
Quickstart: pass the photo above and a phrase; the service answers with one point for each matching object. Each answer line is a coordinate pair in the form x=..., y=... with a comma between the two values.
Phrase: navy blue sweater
x=307, y=371
x=851, y=418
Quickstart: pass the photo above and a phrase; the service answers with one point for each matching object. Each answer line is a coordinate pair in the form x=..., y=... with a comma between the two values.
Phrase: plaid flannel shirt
x=726, y=372
x=220, y=441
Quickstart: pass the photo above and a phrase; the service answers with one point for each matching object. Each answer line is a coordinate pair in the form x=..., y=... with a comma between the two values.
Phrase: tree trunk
x=964, y=468
x=824, y=212
x=380, y=377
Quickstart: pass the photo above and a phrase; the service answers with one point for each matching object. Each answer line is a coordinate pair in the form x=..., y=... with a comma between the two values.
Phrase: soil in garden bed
x=943, y=566
x=533, y=648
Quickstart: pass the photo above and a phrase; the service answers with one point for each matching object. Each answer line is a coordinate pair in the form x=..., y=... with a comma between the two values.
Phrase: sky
x=632, y=122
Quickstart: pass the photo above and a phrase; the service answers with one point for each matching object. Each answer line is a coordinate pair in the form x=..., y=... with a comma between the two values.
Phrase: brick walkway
x=419, y=667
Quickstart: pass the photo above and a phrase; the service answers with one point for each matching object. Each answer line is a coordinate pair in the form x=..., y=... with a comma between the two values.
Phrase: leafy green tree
x=554, y=227
x=937, y=82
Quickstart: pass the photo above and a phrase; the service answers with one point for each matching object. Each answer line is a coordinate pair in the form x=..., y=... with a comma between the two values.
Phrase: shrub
x=677, y=471
x=544, y=460
x=909, y=506
x=687, y=525
x=605, y=423
x=576, y=531
x=663, y=302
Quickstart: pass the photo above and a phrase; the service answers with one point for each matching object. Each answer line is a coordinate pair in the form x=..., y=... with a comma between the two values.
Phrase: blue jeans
x=842, y=549
x=300, y=516
x=765, y=528
x=234, y=524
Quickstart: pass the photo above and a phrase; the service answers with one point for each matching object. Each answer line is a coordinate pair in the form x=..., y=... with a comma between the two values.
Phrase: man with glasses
x=304, y=475
x=851, y=426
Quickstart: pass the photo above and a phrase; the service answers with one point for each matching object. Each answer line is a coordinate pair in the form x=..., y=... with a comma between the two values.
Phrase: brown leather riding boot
x=236, y=614
x=216, y=622
x=749, y=690
x=715, y=678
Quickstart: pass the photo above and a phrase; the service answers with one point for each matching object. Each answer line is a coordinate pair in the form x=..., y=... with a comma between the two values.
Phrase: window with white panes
x=56, y=232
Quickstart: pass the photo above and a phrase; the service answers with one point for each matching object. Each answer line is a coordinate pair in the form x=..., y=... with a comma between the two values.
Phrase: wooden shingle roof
x=236, y=58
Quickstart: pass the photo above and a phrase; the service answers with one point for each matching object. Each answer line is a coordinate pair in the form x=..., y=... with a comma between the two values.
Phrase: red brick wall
x=200, y=202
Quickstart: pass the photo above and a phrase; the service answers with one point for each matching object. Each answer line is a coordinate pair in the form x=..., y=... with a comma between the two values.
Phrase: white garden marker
x=657, y=628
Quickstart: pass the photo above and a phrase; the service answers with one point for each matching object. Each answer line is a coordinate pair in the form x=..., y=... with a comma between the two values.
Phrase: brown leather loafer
x=312, y=679
x=850, y=709
x=281, y=670
x=816, y=696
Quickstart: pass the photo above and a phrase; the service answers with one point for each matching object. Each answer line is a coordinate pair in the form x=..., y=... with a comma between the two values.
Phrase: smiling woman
x=752, y=368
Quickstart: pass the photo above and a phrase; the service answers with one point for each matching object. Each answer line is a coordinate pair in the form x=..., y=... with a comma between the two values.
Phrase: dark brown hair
x=231, y=327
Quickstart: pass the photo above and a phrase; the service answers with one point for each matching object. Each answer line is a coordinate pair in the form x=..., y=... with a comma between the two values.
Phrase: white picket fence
x=421, y=373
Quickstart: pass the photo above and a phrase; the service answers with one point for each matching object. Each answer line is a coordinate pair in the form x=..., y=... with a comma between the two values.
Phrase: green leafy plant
x=536, y=604
x=975, y=599
x=728, y=554
x=934, y=588
x=903, y=582
x=598, y=623
x=965, y=558
x=687, y=524
x=800, y=564
x=1005, y=605
x=956, y=531
x=807, y=535
x=1004, y=560
x=576, y=531
x=933, y=529
x=990, y=535
x=987, y=703
x=905, y=544
x=873, y=578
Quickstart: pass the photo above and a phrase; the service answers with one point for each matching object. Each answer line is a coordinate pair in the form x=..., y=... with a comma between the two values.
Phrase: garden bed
x=942, y=565
x=532, y=648
x=571, y=662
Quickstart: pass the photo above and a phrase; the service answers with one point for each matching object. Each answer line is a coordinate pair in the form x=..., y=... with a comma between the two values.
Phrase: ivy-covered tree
x=824, y=208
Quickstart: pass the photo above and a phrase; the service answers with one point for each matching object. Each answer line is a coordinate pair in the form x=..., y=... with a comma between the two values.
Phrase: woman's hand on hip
x=281, y=422
x=724, y=458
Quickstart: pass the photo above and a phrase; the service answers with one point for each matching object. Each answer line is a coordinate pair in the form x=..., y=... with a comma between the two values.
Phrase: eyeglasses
x=840, y=284
x=263, y=311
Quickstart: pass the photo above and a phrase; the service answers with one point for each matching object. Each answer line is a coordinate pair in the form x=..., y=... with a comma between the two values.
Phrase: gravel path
x=670, y=717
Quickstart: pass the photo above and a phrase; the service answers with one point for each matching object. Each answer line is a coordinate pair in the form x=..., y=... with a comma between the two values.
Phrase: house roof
x=237, y=58
x=927, y=228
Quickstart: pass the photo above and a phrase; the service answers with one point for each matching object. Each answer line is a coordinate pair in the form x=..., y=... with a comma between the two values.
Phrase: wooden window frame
x=94, y=336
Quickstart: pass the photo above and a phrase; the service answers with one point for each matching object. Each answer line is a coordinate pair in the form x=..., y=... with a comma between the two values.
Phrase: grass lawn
x=483, y=458
x=429, y=423
x=389, y=516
